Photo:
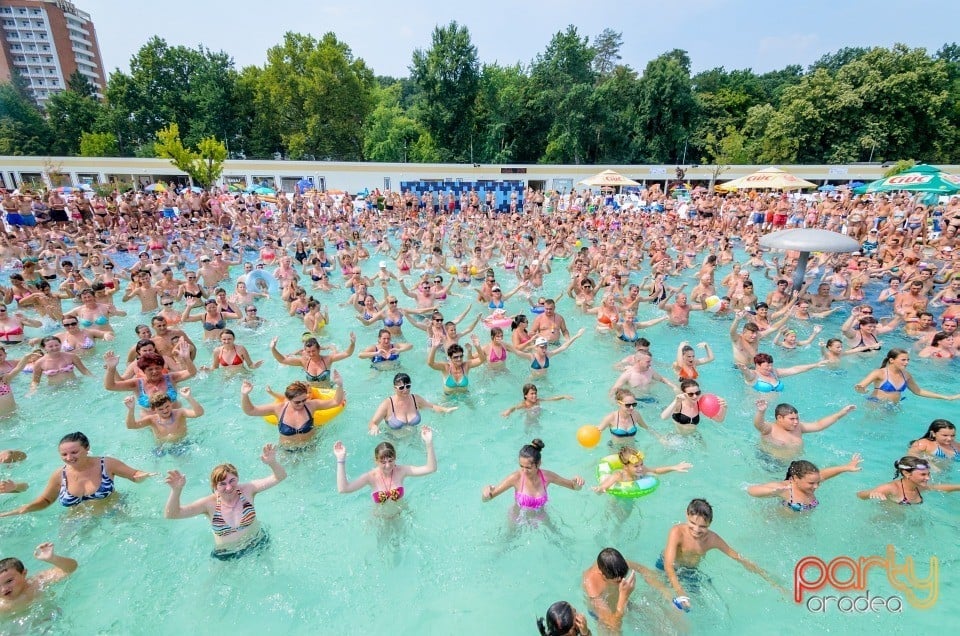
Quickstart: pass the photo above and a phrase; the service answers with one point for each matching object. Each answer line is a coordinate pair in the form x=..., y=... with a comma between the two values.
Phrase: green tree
x=724, y=151
x=447, y=77
x=79, y=84
x=71, y=113
x=98, y=145
x=204, y=165
x=500, y=112
x=667, y=108
x=23, y=130
x=392, y=136
x=606, y=47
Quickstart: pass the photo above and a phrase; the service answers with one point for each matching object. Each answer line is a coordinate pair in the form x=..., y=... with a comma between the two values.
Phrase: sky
x=734, y=34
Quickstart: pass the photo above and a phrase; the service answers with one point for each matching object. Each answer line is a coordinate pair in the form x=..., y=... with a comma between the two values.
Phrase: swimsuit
x=286, y=430
x=497, y=357
x=212, y=326
x=144, y=400
x=619, y=432
x=237, y=360
x=799, y=507
x=103, y=490
x=939, y=454
x=531, y=502
x=535, y=365
x=388, y=494
x=388, y=322
x=451, y=383
x=888, y=387
x=680, y=418
x=685, y=374
x=495, y=305
x=396, y=423
x=905, y=501
x=248, y=516
x=99, y=320
x=87, y=343
x=380, y=358
x=67, y=368
x=5, y=335
x=323, y=376
x=763, y=386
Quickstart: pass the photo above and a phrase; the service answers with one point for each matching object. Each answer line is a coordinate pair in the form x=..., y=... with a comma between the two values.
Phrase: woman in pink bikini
x=530, y=482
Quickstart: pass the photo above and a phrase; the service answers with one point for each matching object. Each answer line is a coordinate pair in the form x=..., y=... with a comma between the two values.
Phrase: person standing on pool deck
x=17, y=591
x=688, y=543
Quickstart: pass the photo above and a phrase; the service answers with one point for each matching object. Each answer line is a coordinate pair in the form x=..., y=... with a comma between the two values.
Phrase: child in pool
x=633, y=469
x=17, y=591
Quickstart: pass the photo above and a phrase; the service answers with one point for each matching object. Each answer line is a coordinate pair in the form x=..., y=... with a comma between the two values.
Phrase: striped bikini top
x=247, y=517
x=103, y=490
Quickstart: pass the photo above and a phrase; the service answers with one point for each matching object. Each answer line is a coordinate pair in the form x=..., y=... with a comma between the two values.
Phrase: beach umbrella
x=155, y=187
x=304, y=184
x=264, y=191
x=769, y=179
x=806, y=240
x=194, y=189
x=827, y=188
x=65, y=189
x=609, y=178
x=920, y=178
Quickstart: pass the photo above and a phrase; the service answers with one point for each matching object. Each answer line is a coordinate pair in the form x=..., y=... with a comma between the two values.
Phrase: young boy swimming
x=17, y=591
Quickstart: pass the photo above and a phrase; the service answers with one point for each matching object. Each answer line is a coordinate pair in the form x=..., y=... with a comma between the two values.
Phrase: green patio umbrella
x=920, y=178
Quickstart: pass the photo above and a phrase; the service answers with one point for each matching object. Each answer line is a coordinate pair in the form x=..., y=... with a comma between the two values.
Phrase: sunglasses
x=167, y=304
x=438, y=320
x=629, y=405
x=393, y=302
x=403, y=387
x=251, y=311
x=69, y=324
x=694, y=394
x=298, y=402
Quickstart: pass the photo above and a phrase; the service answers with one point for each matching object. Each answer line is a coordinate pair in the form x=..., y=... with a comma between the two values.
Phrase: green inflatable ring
x=625, y=489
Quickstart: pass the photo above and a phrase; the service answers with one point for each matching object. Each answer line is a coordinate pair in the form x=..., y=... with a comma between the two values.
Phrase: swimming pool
x=452, y=564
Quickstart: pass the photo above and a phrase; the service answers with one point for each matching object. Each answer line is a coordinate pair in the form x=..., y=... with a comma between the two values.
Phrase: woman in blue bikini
x=624, y=422
x=797, y=492
x=460, y=361
x=402, y=410
x=765, y=379
x=892, y=379
x=938, y=443
x=83, y=478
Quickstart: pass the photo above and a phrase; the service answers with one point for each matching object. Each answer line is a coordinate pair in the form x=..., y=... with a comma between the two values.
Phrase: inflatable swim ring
x=625, y=489
x=258, y=275
x=320, y=416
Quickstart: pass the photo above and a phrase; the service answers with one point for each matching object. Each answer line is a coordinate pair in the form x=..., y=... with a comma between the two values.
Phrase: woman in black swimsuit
x=685, y=409
x=911, y=478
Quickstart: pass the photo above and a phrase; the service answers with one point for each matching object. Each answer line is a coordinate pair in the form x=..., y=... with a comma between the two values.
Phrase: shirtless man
x=142, y=288
x=688, y=543
x=169, y=424
x=783, y=438
x=17, y=591
x=550, y=324
x=608, y=584
x=640, y=375
x=678, y=311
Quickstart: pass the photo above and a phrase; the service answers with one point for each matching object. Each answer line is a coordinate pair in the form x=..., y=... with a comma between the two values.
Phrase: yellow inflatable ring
x=320, y=416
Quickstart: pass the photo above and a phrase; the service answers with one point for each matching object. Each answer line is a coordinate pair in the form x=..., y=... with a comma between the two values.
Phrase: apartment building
x=46, y=41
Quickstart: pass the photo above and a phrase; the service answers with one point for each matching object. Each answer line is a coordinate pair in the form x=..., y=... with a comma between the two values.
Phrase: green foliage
x=98, y=145
x=392, y=136
x=204, y=165
x=667, y=109
x=23, y=130
x=901, y=166
x=71, y=113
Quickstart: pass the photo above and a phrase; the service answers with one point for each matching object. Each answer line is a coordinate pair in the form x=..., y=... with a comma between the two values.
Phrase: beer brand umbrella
x=920, y=178
x=768, y=179
x=609, y=178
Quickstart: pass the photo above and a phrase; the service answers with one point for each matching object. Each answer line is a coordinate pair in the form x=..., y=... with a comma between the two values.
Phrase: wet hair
x=401, y=378
x=229, y=332
x=219, y=473
x=311, y=342
x=518, y=320
x=76, y=437
x=46, y=339
x=529, y=387
x=495, y=331
x=611, y=564
x=801, y=468
x=908, y=464
x=783, y=409
x=622, y=393
x=296, y=388
x=832, y=341
x=382, y=332
x=158, y=399
x=869, y=320
x=384, y=450
x=641, y=343
x=687, y=383
x=13, y=563
x=935, y=427
x=751, y=326
x=939, y=337
x=150, y=360
x=453, y=350
x=559, y=620
x=700, y=508
x=687, y=349
x=893, y=354
x=532, y=450
x=760, y=358
x=144, y=342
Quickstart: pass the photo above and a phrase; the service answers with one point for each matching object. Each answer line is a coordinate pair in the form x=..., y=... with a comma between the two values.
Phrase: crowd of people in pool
x=213, y=258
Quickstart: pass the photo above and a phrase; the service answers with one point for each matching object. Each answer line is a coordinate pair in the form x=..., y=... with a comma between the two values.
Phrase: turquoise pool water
x=452, y=564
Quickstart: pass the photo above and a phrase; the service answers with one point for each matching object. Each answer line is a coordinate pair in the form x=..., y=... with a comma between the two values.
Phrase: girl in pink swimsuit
x=530, y=482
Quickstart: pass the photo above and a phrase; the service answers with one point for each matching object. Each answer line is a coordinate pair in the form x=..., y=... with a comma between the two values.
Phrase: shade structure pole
x=800, y=271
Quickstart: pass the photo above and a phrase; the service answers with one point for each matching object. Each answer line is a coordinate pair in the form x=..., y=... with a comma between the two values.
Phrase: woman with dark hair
x=530, y=481
x=316, y=366
x=765, y=379
x=910, y=478
x=685, y=409
x=563, y=620
x=798, y=489
x=458, y=365
x=941, y=346
x=386, y=478
x=892, y=379
x=57, y=365
x=294, y=412
x=939, y=442
x=402, y=410
x=82, y=479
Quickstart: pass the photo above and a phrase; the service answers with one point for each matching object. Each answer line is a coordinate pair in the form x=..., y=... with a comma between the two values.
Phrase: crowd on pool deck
x=213, y=257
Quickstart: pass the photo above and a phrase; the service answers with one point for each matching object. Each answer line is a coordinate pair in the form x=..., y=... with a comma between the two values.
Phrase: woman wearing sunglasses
x=685, y=409
x=401, y=411
x=625, y=421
